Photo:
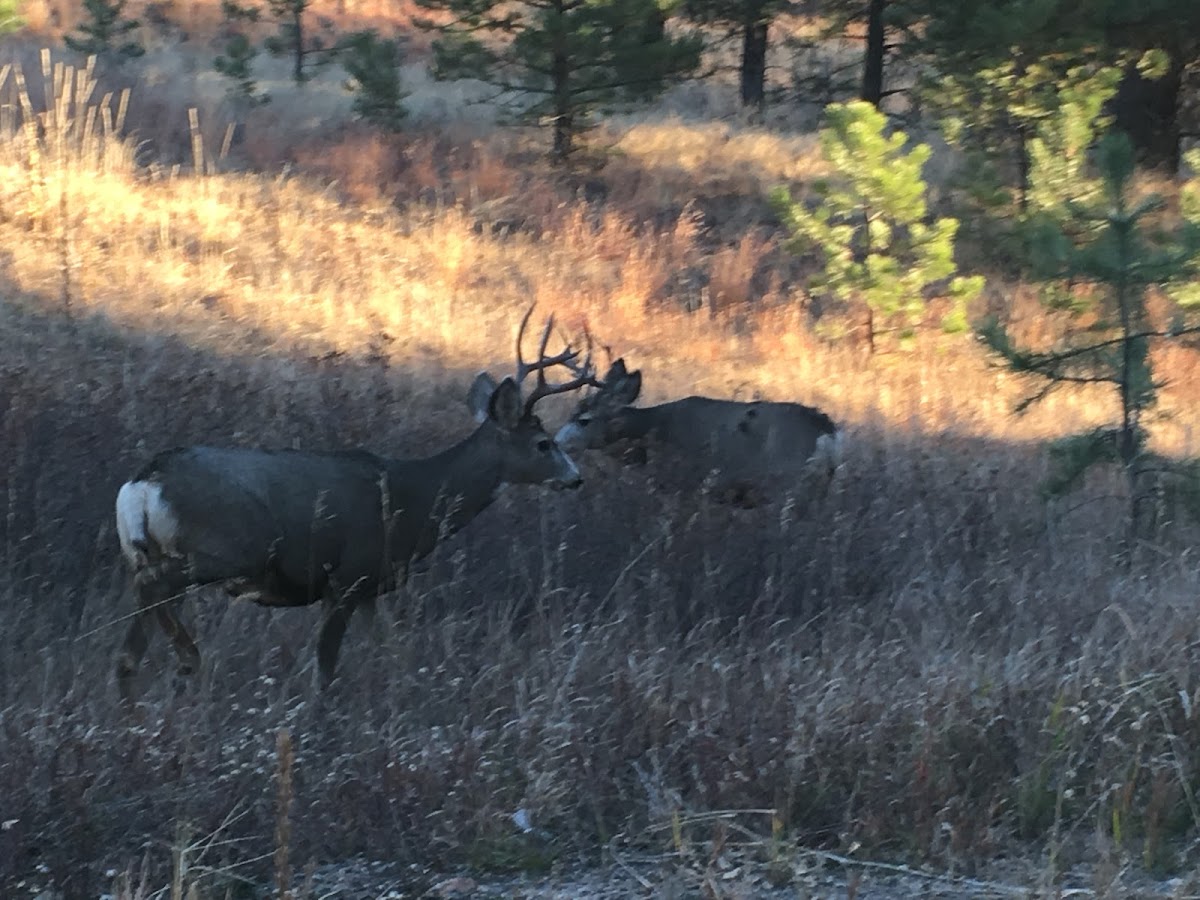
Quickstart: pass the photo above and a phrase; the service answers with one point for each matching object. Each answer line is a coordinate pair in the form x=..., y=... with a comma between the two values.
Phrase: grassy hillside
x=927, y=665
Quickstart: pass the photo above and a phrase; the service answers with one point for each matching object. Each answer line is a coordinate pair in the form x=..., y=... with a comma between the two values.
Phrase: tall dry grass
x=927, y=664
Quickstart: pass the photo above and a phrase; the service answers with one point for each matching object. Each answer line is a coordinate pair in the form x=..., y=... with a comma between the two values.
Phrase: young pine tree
x=10, y=16
x=869, y=226
x=305, y=42
x=1110, y=246
x=300, y=39
x=106, y=32
x=373, y=64
x=1063, y=134
x=562, y=60
x=237, y=62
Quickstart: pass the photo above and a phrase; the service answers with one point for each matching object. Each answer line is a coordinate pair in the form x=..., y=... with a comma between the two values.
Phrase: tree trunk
x=1024, y=166
x=298, y=36
x=564, y=119
x=872, y=80
x=1148, y=111
x=560, y=75
x=754, y=62
x=562, y=137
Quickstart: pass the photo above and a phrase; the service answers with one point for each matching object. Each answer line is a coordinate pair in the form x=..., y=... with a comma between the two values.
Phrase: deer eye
x=584, y=420
x=544, y=445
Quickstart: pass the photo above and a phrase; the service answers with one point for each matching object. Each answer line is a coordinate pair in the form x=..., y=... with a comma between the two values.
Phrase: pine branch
x=1062, y=355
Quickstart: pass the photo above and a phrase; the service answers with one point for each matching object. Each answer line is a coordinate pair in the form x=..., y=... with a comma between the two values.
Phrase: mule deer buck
x=743, y=448
x=290, y=528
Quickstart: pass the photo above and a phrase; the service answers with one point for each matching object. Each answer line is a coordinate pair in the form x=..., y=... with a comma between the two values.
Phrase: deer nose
x=569, y=436
x=571, y=478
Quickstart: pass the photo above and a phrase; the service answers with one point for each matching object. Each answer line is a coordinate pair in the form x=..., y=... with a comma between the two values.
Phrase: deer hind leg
x=155, y=586
x=132, y=651
x=185, y=648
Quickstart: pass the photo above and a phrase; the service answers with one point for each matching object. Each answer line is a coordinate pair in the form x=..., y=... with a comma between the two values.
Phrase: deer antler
x=584, y=373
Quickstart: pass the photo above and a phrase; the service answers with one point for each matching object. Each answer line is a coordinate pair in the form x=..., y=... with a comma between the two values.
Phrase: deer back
x=742, y=439
x=745, y=440
x=242, y=512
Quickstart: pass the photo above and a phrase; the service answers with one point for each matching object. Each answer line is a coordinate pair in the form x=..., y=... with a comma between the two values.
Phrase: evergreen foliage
x=237, y=64
x=10, y=16
x=294, y=38
x=1064, y=132
x=1000, y=64
x=1022, y=88
x=1110, y=245
x=562, y=60
x=106, y=32
x=870, y=227
x=1004, y=113
x=373, y=64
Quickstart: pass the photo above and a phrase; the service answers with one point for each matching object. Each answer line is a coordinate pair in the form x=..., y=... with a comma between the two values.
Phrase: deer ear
x=480, y=395
x=504, y=407
x=615, y=372
x=627, y=388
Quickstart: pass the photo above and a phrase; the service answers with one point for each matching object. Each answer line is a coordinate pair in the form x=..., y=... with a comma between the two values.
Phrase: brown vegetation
x=928, y=664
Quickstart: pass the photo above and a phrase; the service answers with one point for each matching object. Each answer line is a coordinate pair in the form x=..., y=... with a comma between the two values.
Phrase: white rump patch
x=829, y=449
x=144, y=519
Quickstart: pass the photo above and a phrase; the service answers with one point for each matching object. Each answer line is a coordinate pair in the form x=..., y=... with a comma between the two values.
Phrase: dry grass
x=926, y=664
x=715, y=156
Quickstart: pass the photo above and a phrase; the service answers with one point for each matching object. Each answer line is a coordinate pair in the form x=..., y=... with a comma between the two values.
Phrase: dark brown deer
x=290, y=528
x=744, y=448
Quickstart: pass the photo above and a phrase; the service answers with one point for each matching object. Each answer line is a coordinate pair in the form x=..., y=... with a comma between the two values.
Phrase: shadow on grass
x=879, y=665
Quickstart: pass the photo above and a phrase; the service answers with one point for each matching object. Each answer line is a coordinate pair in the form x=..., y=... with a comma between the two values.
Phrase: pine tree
x=10, y=16
x=751, y=21
x=307, y=47
x=237, y=64
x=296, y=38
x=1062, y=138
x=562, y=59
x=373, y=64
x=102, y=33
x=870, y=228
x=1002, y=69
x=1153, y=42
x=1109, y=246
x=876, y=23
x=1158, y=43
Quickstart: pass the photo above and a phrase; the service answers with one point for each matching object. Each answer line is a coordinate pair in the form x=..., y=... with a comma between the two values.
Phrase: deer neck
x=458, y=483
x=635, y=423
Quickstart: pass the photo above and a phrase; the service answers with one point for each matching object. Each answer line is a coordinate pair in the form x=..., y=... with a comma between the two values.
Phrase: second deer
x=745, y=449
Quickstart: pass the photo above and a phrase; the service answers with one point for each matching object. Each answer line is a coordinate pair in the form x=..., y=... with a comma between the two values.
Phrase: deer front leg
x=333, y=629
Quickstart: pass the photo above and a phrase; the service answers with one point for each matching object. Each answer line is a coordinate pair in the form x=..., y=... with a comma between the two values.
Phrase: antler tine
x=522, y=370
x=546, y=337
x=543, y=362
x=584, y=374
